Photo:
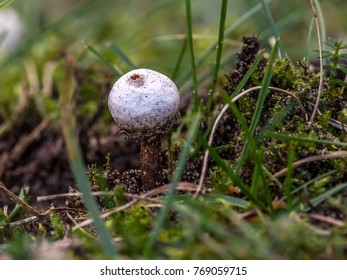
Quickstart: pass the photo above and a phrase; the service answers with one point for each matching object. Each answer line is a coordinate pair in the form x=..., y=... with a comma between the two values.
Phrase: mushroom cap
x=143, y=100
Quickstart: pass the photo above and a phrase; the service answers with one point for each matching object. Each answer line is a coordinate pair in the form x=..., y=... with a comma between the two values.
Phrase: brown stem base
x=151, y=170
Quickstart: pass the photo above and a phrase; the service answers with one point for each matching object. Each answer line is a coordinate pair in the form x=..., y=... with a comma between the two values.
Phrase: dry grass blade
x=75, y=223
x=45, y=214
x=300, y=162
x=318, y=231
x=328, y=220
x=320, y=88
x=64, y=195
x=182, y=186
x=20, y=202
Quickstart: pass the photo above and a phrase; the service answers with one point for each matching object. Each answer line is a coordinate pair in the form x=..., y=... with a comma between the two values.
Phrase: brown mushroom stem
x=151, y=170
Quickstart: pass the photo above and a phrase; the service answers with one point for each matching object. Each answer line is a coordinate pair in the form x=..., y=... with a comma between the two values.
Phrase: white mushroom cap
x=143, y=100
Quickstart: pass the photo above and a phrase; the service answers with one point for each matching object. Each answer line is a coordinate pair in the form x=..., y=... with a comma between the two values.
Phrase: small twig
x=247, y=214
x=45, y=214
x=106, y=214
x=328, y=220
x=75, y=223
x=219, y=117
x=155, y=205
x=140, y=197
x=321, y=232
x=24, y=221
x=311, y=159
x=182, y=186
x=320, y=67
x=20, y=202
x=64, y=195
x=35, y=214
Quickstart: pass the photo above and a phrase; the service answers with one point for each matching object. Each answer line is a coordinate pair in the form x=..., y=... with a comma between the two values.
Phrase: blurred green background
x=149, y=33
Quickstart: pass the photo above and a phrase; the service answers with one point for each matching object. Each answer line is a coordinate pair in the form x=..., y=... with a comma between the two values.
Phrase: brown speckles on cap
x=136, y=80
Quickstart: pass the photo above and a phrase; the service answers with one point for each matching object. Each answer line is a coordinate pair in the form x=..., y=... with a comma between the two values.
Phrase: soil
x=32, y=151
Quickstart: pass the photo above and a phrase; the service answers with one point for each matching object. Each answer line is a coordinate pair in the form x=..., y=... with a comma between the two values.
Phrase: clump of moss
x=286, y=113
x=245, y=59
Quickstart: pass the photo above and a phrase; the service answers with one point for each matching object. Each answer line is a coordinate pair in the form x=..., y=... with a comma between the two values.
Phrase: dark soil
x=32, y=152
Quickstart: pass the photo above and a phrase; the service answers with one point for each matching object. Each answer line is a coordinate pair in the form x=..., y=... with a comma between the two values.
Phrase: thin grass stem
x=273, y=26
x=320, y=87
x=5, y=3
x=288, y=138
x=104, y=60
x=259, y=105
x=180, y=59
x=123, y=57
x=308, y=45
x=68, y=124
x=219, y=53
x=192, y=54
x=288, y=182
x=202, y=58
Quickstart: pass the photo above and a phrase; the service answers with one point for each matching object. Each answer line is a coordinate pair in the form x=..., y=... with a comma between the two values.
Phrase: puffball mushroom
x=144, y=104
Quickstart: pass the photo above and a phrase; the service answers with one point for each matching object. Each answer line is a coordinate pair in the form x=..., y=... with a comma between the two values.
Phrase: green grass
x=257, y=201
x=76, y=159
x=5, y=3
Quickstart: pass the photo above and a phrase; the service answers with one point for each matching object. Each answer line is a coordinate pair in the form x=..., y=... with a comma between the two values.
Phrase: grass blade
x=321, y=61
x=219, y=53
x=179, y=60
x=288, y=138
x=258, y=180
x=123, y=57
x=308, y=45
x=192, y=54
x=68, y=123
x=182, y=159
x=5, y=3
x=231, y=174
x=273, y=26
x=200, y=60
x=234, y=201
x=264, y=89
x=259, y=105
x=285, y=23
x=321, y=21
x=306, y=184
x=288, y=182
x=321, y=198
x=248, y=74
x=104, y=60
x=207, y=73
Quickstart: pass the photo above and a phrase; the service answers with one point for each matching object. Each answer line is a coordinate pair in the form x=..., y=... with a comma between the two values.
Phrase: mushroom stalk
x=151, y=174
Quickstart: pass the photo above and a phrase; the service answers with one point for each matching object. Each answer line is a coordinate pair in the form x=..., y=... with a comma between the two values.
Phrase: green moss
x=57, y=225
